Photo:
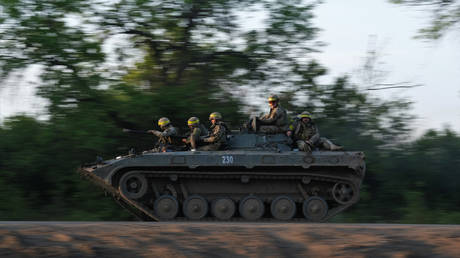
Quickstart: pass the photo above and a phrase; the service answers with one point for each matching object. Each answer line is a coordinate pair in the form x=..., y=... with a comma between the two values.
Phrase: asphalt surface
x=141, y=239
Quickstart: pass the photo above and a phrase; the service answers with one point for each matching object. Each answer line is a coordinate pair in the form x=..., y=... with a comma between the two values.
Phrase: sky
x=348, y=27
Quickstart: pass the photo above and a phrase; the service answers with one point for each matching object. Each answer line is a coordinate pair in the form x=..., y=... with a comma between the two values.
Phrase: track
x=141, y=210
x=146, y=239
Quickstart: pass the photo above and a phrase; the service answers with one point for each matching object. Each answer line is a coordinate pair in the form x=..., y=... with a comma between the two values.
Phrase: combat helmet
x=164, y=121
x=304, y=114
x=193, y=121
x=215, y=115
x=274, y=98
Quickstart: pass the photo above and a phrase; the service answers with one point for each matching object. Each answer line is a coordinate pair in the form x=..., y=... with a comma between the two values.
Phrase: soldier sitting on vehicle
x=276, y=121
x=168, y=138
x=196, y=131
x=306, y=134
x=218, y=134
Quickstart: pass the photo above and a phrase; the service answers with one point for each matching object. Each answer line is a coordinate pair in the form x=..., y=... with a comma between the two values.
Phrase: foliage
x=184, y=58
x=174, y=58
x=445, y=16
x=418, y=183
x=38, y=173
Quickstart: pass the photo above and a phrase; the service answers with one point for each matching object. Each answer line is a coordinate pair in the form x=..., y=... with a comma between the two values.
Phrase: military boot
x=328, y=145
x=336, y=147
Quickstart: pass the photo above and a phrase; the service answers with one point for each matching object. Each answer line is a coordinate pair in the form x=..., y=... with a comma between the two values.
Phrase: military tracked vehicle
x=257, y=178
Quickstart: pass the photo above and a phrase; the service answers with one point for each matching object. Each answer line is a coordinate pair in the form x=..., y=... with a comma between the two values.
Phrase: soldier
x=218, y=135
x=196, y=131
x=276, y=121
x=306, y=134
x=168, y=137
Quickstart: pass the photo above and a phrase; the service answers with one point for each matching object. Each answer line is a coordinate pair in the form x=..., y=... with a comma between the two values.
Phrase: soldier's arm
x=155, y=132
x=264, y=117
x=291, y=129
x=315, y=137
x=196, y=133
x=215, y=137
x=204, y=131
x=271, y=120
x=296, y=130
x=167, y=132
x=283, y=118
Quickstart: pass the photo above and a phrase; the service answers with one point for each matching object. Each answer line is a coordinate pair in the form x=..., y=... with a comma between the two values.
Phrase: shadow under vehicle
x=257, y=178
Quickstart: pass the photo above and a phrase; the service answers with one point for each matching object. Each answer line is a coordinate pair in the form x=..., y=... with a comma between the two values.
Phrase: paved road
x=141, y=239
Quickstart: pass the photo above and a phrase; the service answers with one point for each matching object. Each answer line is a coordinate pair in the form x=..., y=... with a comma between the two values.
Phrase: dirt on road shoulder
x=141, y=239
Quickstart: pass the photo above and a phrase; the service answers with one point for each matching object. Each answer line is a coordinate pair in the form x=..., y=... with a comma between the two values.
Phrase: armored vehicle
x=257, y=178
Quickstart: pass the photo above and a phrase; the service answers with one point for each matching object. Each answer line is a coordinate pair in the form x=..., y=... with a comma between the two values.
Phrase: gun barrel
x=135, y=131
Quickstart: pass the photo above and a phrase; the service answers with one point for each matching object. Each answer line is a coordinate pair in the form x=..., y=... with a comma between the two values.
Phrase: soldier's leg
x=194, y=141
x=328, y=145
x=303, y=146
x=254, y=124
x=156, y=149
x=250, y=125
x=209, y=147
x=269, y=129
x=176, y=148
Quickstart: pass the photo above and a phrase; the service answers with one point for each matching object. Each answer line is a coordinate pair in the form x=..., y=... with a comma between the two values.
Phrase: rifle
x=135, y=131
x=159, y=145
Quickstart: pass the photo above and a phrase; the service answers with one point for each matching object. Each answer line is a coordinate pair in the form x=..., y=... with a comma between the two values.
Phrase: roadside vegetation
x=109, y=65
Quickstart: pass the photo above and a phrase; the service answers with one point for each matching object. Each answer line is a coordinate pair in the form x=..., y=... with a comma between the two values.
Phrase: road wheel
x=195, y=207
x=283, y=208
x=315, y=208
x=343, y=193
x=133, y=185
x=166, y=207
x=223, y=208
x=251, y=208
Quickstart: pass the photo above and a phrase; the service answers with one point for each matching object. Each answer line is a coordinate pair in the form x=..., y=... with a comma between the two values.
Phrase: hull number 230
x=227, y=160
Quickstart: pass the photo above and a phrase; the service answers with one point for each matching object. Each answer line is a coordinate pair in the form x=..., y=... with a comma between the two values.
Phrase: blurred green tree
x=108, y=65
x=169, y=56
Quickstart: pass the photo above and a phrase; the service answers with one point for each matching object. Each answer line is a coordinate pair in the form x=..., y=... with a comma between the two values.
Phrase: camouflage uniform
x=196, y=132
x=217, y=137
x=168, y=138
x=307, y=137
x=274, y=122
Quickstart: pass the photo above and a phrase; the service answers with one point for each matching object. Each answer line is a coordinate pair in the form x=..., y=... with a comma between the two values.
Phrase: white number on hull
x=226, y=160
